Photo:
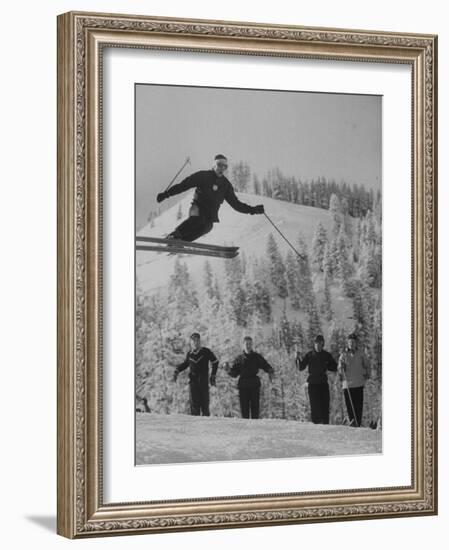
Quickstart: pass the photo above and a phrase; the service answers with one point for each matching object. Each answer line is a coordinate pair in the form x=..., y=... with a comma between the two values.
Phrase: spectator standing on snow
x=246, y=366
x=197, y=360
x=318, y=361
x=354, y=371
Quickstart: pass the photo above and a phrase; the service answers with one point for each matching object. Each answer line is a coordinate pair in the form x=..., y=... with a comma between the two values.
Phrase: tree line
x=355, y=199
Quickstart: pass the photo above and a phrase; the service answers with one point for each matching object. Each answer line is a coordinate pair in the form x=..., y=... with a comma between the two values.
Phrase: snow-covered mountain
x=248, y=232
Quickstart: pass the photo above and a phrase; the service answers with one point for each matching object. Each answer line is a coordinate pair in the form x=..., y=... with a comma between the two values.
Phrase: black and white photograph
x=258, y=274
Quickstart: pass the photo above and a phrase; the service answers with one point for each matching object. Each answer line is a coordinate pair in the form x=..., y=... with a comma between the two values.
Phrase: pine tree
x=356, y=240
x=277, y=268
x=216, y=291
x=314, y=324
x=305, y=286
x=331, y=258
x=346, y=219
x=362, y=311
x=344, y=269
x=277, y=184
x=326, y=306
x=266, y=188
x=328, y=263
x=370, y=261
x=292, y=273
x=183, y=295
x=318, y=247
x=235, y=293
x=370, y=271
x=335, y=209
x=179, y=212
x=286, y=334
x=261, y=299
x=208, y=279
x=299, y=340
x=241, y=175
x=256, y=185
x=234, y=270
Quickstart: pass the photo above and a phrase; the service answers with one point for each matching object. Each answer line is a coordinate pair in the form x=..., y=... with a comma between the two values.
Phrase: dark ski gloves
x=162, y=196
x=212, y=379
x=258, y=209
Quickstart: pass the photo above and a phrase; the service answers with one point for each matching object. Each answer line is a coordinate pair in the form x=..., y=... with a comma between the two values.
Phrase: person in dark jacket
x=198, y=359
x=211, y=189
x=246, y=366
x=319, y=361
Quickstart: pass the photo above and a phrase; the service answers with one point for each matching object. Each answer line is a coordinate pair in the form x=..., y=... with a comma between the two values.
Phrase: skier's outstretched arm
x=232, y=200
x=188, y=183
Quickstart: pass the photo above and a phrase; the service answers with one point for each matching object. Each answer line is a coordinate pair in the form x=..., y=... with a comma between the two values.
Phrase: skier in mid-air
x=211, y=188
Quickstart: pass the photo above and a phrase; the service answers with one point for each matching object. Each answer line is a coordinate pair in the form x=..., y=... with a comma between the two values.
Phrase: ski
x=186, y=250
x=170, y=242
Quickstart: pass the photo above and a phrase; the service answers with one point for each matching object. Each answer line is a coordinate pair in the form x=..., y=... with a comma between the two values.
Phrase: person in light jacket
x=353, y=367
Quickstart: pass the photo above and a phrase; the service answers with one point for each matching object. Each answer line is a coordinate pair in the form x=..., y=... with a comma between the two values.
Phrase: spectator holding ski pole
x=197, y=360
x=318, y=361
x=246, y=366
x=353, y=367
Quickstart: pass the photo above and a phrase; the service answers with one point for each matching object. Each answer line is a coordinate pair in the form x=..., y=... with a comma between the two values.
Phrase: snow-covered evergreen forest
x=267, y=292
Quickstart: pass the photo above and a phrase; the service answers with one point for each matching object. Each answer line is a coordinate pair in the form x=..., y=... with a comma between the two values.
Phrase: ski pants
x=354, y=405
x=249, y=402
x=319, y=402
x=199, y=399
x=194, y=227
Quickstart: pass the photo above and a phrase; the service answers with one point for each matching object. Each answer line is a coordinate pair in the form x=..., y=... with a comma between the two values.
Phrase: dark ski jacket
x=246, y=366
x=318, y=363
x=199, y=365
x=210, y=192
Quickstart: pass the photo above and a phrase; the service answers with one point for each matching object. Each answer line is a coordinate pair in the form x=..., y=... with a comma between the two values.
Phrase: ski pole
x=187, y=161
x=350, y=399
x=284, y=237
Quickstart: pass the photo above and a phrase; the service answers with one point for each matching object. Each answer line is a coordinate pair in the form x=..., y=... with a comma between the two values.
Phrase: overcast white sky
x=304, y=134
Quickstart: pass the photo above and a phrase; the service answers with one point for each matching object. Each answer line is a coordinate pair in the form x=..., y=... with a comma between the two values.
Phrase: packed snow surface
x=178, y=438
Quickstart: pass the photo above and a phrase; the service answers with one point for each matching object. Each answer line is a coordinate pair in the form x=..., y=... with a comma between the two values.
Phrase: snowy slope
x=180, y=438
x=248, y=232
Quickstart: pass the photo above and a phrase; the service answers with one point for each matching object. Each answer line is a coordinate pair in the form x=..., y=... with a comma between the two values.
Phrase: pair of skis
x=174, y=246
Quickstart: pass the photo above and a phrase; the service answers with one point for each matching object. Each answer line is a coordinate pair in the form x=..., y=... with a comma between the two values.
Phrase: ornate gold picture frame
x=82, y=509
